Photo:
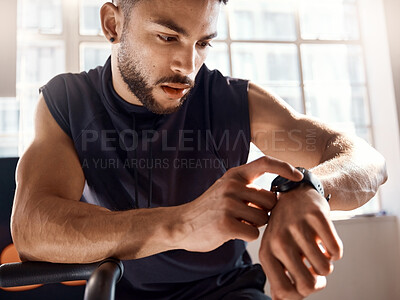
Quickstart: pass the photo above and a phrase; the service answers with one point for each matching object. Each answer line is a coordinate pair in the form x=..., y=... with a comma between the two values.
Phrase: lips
x=175, y=90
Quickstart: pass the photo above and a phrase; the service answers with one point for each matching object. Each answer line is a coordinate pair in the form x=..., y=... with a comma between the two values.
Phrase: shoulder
x=73, y=83
x=217, y=80
x=74, y=89
x=218, y=90
x=70, y=90
x=73, y=98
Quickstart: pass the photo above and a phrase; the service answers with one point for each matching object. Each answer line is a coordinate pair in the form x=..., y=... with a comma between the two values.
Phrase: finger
x=281, y=285
x=243, y=212
x=259, y=197
x=306, y=239
x=256, y=168
x=243, y=231
x=304, y=279
x=251, y=215
x=329, y=237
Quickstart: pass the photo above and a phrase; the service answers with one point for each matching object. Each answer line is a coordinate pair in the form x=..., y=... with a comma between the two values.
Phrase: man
x=154, y=145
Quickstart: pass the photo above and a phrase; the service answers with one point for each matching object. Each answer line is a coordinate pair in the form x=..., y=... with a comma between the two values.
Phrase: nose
x=184, y=61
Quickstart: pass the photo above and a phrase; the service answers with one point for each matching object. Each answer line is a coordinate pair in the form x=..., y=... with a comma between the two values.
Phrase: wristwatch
x=282, y=184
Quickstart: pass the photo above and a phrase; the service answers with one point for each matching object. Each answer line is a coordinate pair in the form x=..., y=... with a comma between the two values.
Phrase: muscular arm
x=49, y=223
x=350, y=170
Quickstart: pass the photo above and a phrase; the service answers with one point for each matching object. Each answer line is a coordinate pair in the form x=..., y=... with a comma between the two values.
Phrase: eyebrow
x=175, y=27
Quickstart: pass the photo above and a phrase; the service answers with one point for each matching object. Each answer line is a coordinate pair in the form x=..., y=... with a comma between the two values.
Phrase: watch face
x=278, y=181
x=282, y=184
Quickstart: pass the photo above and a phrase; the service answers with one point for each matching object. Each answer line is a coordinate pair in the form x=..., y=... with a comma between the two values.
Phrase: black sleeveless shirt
x=133, y=158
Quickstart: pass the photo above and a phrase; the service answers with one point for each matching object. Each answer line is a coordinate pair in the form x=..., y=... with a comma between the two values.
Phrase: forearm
x=60, y=230
x=351, y=171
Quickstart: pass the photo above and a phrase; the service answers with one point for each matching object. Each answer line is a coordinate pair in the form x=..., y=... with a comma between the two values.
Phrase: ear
x=111, y=22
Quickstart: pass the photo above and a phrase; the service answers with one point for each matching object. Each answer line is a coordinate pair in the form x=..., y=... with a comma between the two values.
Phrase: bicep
x=50, y=165
x=279, y=131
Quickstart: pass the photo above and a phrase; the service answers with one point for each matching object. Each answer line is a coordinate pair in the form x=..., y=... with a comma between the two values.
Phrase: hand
x=229, y=209
x=299, y=225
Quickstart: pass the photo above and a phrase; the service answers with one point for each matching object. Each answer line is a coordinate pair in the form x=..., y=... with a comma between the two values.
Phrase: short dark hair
x=126, y=6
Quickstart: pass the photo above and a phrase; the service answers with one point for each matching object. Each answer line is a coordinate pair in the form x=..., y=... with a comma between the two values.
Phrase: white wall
x=383, y=102
x=8, y=49
x=392, y=10
x=370, y=268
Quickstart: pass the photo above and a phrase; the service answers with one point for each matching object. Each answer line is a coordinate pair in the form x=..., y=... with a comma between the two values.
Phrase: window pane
x=39, y=61
x=365, y=133
x=328, y=20
x=263, y=20
x=222, y=25
x=9, y=116
x=218, y=58
x=342, y=64
x=291, y=95
x=343, y=106
x=28, y=97
x=9, y=125
x=93, y=55
x=43, y=16
x=267, y=64
x=90, y=17
x=9, y=146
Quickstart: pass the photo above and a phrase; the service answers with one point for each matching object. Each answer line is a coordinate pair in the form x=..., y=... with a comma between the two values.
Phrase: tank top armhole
x=57, y=103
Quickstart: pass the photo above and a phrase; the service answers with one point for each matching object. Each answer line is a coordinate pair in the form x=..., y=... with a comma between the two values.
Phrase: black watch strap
x=281, y=184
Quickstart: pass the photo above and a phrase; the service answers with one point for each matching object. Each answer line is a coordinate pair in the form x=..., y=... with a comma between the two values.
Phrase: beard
x=129, y=68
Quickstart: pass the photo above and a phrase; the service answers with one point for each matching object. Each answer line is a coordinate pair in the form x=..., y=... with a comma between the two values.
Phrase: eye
x=166, y=38
x=204, y=44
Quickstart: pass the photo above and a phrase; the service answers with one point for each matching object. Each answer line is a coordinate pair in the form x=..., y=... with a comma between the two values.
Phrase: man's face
x=162, y=48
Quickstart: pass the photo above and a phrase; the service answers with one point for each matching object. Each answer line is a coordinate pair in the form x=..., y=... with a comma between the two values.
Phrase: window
x=46, y=48
x=309, y=52
x=9, y=120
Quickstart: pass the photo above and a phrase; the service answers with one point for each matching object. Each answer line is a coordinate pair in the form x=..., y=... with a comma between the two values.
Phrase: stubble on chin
x=138, y=83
